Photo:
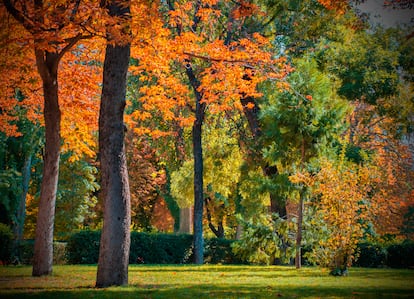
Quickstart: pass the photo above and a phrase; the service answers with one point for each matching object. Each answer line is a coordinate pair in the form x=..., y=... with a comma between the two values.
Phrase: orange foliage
x=393, y=177
x=79, y=72
x=17, y=71
x=341, y=6
x=192, y=36
x=342, y=203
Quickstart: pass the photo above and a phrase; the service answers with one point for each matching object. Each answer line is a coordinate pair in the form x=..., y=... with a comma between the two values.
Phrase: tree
x=342, y=189
x=115, y=239
x=54, y=29
x=147, y=182
x=222, y=171
x=300, y=125
x=207, y=66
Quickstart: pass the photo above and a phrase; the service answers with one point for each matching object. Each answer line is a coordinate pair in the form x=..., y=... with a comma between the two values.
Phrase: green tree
x=76, y=196
x=300, y=125
x=222, y=162
x=16, y=158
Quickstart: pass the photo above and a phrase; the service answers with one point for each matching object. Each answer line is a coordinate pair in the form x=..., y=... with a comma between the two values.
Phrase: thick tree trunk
x=43, y=248
x=186, y=220
x=115, y=238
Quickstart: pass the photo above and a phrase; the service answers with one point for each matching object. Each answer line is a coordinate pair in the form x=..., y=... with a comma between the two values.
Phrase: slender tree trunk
x=198, y=193
x=298, y=259
x=43, y=248
x=115, y=239
x=198, y=168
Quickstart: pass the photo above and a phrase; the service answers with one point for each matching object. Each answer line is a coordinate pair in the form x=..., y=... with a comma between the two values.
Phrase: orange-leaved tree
x=196, y=59
x=390, y=160
x=51, y=29
x=341, y=190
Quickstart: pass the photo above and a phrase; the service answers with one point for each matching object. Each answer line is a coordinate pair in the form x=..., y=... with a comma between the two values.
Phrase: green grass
x=208, y=281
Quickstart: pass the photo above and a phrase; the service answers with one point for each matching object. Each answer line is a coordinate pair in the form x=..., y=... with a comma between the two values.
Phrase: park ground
x=209, y=281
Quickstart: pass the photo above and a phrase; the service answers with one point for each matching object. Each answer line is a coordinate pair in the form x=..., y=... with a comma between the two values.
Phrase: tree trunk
x=198, y=168
x=186, y=220
x=298, y=259
x=198, y=193
x=115, y=238
x=43, y=247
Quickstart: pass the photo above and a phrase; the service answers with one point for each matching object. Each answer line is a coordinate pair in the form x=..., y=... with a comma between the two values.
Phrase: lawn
x=209, y=281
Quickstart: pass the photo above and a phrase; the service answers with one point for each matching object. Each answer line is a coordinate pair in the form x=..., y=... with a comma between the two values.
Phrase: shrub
x=371, y=255
x=6, y=241
x=26, y=251
x=83, y=247
x=401, y=255
x=219, y=251
x=152, y=248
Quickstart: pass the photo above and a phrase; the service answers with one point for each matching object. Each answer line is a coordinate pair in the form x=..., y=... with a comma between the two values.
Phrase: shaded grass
x=208, y=281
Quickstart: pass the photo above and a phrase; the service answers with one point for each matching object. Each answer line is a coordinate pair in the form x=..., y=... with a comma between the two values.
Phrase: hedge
x=401, y=255
x=150, y=248
x=371, y=255
x=398, y=255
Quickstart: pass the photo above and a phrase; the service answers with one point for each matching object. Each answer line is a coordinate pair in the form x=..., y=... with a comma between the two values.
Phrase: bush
x=151, y=248
x=26, y=248
x=371, y=255
x=6, y=241
x=401, y=255
x=219, y=251
x=83, y=247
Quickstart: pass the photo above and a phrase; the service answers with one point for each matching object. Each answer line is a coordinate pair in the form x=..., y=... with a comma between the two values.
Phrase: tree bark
x=43, y=248
x=198, y=193
x=186, y=220
x=298, y=258
x=115, y=238
x=198, y=168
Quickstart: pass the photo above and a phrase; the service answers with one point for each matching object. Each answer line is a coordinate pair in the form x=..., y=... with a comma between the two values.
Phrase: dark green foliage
x=342, y=271
x=6, y=241
x=401, y=255
x=150, y=248
x=26, y=251
x=160, y=248
x=219, y=251
x=83, y=247
x=371, y=255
